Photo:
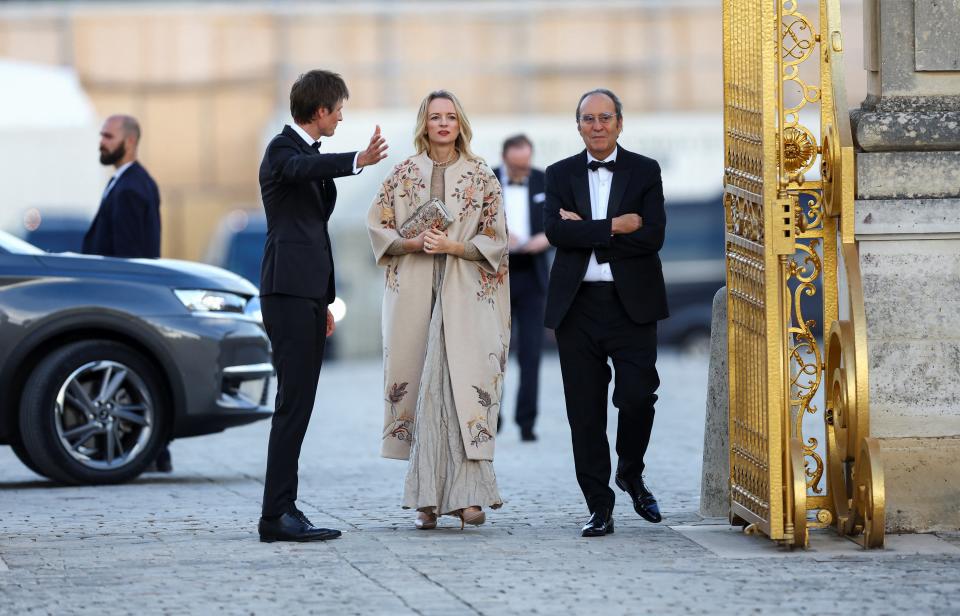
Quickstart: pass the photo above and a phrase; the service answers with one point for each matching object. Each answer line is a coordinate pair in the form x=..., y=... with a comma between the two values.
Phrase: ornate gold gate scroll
x=855, y=484
x=782, y=259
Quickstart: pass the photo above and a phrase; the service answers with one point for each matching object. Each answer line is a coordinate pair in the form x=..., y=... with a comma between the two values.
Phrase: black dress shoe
x=526, y=434
x=302, y=517
x=600, y=524
x=643, y=501
x=289, y=527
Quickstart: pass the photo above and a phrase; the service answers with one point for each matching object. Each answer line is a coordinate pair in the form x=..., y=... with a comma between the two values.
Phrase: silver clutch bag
x=433, y=213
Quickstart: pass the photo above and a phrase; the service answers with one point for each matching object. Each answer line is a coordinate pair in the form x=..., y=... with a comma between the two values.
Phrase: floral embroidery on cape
x=489, y=283
x=488, y=215
x=466, y=190
x=405, y=180
x=480, y=429
x=400, y=428
x=393, y=277
x=479, y=426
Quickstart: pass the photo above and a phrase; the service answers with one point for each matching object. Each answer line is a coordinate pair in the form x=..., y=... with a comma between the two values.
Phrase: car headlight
x=213, y=302
x=253, y=310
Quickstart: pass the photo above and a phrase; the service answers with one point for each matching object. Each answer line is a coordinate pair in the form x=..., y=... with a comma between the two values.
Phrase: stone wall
x=207, y=79
x=908, y=225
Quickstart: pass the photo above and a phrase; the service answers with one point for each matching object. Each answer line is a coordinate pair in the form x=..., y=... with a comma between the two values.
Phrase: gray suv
x=103, y=360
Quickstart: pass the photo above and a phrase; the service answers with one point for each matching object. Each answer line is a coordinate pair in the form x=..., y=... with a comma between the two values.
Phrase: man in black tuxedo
x=604, y=213
x=297, y=282
x=523, y=198
x=127, y=223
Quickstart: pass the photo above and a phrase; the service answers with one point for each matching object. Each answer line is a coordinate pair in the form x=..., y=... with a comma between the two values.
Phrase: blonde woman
x=446, y=319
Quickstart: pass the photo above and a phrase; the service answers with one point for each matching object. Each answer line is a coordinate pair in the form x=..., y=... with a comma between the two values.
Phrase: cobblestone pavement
x=186, y=543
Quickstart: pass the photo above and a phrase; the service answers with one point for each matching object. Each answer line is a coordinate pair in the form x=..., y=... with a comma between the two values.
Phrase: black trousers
x=297, y=329
x=526, y=307
x=596, y=328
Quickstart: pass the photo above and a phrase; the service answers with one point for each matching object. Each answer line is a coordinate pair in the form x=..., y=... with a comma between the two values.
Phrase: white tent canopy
x=48, y=144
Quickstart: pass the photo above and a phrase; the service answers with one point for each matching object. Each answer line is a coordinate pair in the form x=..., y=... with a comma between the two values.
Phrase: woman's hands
x=436, y=242
x=433, y=242
x=415, y=244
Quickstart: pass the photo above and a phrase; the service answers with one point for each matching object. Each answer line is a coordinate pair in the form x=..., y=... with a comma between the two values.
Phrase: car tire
x=21, y=452
x=93, y=413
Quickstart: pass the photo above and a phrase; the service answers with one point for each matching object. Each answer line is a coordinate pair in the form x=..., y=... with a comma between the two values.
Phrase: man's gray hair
x=617, y=105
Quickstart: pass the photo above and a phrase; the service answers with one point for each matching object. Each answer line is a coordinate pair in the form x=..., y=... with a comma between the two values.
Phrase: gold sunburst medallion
x=798, y=149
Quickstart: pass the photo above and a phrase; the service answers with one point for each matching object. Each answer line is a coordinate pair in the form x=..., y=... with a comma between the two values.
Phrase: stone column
x=907, y=134
x=715, y=472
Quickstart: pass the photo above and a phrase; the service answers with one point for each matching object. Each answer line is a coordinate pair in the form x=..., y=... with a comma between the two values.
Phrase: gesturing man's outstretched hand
x=375, y=152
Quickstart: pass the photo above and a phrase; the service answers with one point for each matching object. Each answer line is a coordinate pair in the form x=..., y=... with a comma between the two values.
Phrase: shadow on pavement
x=141, y=481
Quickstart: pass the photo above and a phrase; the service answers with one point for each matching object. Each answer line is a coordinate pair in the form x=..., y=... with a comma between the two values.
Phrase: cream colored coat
x=475, y=302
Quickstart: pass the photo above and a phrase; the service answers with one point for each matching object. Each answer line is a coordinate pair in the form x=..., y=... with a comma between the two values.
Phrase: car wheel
x=92, y=412
x=21, y=452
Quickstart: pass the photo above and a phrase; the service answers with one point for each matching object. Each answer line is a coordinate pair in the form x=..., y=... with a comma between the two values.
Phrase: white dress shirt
x=310, y=141
x=116, y=178
x=516, y=200
x=600, y=181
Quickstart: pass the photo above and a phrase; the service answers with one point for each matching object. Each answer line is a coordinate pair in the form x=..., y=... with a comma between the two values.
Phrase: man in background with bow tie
x=523, y=201
x=604, y=213
x=297, y=282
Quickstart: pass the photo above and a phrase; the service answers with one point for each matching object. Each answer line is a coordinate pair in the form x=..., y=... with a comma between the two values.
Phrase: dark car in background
x=237, y=246
x=694, y=268
x=238, y=242
x=57, y=233
x=103, y=360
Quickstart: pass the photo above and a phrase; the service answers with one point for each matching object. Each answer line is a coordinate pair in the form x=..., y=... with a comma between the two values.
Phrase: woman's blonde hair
x=422, y=142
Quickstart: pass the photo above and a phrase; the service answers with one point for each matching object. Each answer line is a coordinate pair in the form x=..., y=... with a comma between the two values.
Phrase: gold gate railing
x=785, y=237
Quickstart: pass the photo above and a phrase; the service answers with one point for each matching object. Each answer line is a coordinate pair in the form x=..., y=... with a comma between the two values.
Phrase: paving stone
x=187, y=543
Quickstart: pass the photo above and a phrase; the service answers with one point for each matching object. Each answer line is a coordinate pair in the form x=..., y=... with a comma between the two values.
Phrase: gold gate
x=792, y=381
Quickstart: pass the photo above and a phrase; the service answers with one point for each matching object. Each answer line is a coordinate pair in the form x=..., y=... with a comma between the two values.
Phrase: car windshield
x=16, y=246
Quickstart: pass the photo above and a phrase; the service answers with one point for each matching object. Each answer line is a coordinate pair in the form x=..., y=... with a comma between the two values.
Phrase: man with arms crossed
x=604, y=213
x=297, y=282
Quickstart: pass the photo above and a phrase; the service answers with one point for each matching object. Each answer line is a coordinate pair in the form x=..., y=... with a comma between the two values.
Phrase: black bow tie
x=315, y=145
x=593, y=165
x=516, y=183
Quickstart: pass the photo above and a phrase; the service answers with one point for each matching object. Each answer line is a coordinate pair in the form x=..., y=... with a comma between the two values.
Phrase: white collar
x=504, y=178
x=613, y=155
x=303, y=134
x=121, y=169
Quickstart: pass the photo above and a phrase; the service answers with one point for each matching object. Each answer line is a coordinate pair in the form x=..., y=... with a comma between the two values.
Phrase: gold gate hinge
x=783, y=227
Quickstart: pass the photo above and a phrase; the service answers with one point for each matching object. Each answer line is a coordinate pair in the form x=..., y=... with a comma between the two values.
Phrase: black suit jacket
x=633, y=258
x=128, y=221
x=296, y=183
x=536, y=182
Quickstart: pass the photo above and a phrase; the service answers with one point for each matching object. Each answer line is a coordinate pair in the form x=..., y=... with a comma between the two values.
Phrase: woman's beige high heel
x=472, y=515
x=425, y=521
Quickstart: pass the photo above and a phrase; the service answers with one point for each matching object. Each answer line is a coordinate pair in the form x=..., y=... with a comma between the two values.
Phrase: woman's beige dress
x=440, y=477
